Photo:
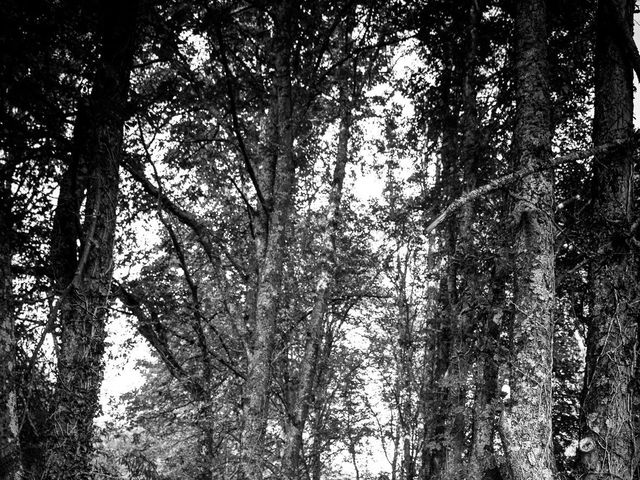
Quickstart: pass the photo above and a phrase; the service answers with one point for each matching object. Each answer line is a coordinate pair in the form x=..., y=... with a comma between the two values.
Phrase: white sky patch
x=125, y=349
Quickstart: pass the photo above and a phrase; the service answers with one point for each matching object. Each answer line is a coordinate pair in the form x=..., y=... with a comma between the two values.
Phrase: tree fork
x=270, y=254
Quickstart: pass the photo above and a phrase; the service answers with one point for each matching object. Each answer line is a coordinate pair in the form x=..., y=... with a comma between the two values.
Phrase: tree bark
x=87, y=290
x=270, y=245
x=607, y=446
x=526, y=418
x=10, y=461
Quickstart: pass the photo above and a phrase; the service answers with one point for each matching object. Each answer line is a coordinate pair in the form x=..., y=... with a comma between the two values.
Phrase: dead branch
x=505, y=180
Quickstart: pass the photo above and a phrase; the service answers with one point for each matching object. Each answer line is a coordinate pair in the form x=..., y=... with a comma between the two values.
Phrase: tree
x=295, y=324
x=526, y=419
x=610, y=396
x=34, y=102
x=10, y=462
x=83, y=275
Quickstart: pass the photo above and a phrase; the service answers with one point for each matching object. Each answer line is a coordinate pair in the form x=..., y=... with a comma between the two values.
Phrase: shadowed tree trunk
x=406, y=370
x=440, y=445
x=10, y=463
x=526, y=419
x=610, y=399
x=83, y=275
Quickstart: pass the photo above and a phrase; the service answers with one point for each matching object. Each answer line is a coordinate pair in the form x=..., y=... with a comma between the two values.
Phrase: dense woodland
x=362, y=239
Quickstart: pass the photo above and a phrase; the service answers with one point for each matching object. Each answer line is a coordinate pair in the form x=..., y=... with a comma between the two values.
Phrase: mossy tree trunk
x=10, y=462
x=526, y=418
x=84, y=273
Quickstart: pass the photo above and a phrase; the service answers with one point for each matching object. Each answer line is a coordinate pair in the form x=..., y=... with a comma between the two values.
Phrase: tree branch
x=53, y=314
x=202, y=231
x=145, y=326
x=522, y=173
x=236, y=122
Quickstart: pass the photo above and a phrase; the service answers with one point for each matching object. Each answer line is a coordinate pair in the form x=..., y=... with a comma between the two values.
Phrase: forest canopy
x=319, y=240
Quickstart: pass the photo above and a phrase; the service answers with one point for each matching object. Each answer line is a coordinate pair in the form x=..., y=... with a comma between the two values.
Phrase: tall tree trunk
x=10, y=462
x=610, y=397
x=324, y=282
x=526, y=420
x=271, y=257
x=85, y=295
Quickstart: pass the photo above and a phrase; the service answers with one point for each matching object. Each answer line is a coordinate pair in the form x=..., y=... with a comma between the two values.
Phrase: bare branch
x=201, y=229
x=145, y=326
x=522, y=173
x=235, y=120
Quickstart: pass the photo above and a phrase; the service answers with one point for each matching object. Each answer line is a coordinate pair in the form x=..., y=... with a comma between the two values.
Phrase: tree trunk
x=10, y=462
x=270, y=263
x=85, y=295
x=610, y=400
x=526, y=420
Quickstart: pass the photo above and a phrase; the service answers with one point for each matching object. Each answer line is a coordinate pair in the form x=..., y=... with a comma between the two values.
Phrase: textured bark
x=10, y=462
x=526, y=419
x=84, y=300
x=270, y=244
x=610, y=396
x=324, y=282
